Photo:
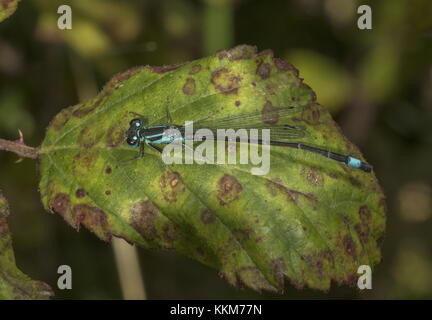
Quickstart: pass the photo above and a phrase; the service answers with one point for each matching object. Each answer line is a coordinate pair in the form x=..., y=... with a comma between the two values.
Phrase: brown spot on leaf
x=242, y=234
x=86, y=108
x=115, y=136
x=362, y=228
x=351, y=280
x=345, y=219
x=263, y=70
x=228, y=189
x=4, y=231
x=117, y=79
x=309, y=90
x=316, y=114
x=266, y=52
x=237, y=53
x=270, y=88
x=207, y=216
x=61, y=119
x=195, y=69
x=275, y=187
x=333, y=175
x=108, y=170
x=225, y=82
x=164, y=69
x=189, y=87
x=171, y=185
x=362, y=234
x=143, y=218
x=60, y=204
x=354, y=181
x=4, y=207
x=316, y=261
x=93, y=219
x=254, y=278
x=88, y=137
x=170, y=232
x=278, y=267
x=349, y=246
x=365, y=214
x=228, y=278
x=200, y=251
x=5, y=3
x=269, y=114
x=313, y=176
x=84, y=159
x=108, y=192
x=283, y=65
x=5, y=237
x=310, y=116
x=80, y=193
x=237, y=103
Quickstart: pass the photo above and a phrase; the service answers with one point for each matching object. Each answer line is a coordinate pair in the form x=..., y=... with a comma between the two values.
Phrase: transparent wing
x=272, y=119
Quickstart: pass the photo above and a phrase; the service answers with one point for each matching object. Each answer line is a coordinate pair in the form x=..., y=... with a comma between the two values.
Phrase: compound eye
x=133, y=142
x=135, y=123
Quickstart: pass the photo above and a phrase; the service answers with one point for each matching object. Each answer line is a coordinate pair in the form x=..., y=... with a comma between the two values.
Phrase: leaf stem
x=18, y=147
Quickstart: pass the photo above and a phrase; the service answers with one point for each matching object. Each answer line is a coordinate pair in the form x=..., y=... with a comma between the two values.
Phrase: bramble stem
x=19, y=148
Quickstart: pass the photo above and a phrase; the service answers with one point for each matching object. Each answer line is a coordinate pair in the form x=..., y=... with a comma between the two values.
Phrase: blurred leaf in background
x=411, y=271
x=100, y=28
x=15, y=285
x=7, y=8
x=12, y=102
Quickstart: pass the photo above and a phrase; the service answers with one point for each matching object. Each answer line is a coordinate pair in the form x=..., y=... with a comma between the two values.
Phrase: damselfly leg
x=139, y=156
x=155, y=147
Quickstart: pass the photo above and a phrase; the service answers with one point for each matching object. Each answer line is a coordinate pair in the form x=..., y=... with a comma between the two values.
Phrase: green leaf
x=13, y=283
x=310, y=220
x=7, y=8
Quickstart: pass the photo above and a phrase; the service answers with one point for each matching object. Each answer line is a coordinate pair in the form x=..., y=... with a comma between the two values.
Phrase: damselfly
x=281, y=135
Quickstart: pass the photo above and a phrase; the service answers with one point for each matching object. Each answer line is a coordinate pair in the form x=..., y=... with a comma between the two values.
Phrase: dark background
x=377, y=84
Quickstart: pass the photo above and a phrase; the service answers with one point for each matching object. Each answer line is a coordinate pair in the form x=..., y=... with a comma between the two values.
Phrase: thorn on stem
x=20, y=141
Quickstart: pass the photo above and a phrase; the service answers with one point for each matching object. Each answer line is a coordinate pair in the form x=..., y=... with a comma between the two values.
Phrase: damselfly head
x=135, y=123
x=133, y=134
x=133, y=141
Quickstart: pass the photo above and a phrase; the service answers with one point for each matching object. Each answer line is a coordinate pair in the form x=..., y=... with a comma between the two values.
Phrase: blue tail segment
x=354, y=163
x=358, y=164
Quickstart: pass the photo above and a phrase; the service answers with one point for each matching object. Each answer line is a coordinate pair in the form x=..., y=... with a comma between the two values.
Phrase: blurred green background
x=377, y=84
